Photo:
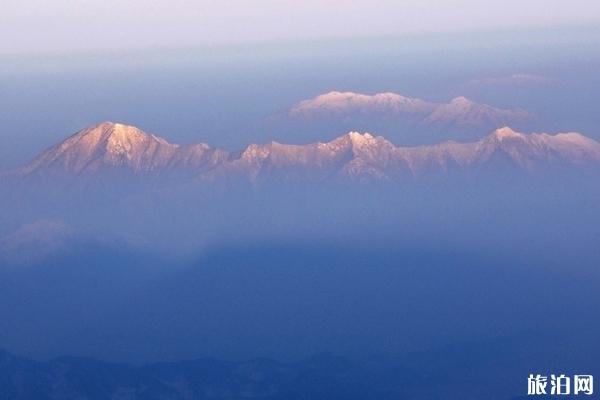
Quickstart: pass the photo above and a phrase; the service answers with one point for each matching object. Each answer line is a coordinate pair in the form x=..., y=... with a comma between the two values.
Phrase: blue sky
x=40, y=26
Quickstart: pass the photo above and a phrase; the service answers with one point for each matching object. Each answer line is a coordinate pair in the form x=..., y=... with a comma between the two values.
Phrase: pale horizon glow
x=37, y=26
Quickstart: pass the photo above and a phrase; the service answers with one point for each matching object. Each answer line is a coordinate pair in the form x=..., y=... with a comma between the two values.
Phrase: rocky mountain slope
x=325, y=376
x=356, y=156
x=405, y=119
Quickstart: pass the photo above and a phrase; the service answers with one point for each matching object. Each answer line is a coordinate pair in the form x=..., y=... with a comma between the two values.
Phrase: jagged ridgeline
x=357, y=157
x=114, y=180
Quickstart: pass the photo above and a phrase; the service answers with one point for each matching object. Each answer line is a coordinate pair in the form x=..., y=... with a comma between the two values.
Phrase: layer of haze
x=40, y=26
x=292, y=273
x=222, y=95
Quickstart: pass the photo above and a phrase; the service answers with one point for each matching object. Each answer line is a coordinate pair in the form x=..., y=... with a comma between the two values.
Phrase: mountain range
x=405, y=119
x=355, y=156
x=321, y=376
x=460, y=111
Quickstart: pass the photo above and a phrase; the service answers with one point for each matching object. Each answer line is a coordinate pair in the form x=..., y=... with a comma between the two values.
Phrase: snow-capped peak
x=343, y=102
x=107, y=143
x=506, y=132
x=358, y=137
x=462, y=100
x=110, y=145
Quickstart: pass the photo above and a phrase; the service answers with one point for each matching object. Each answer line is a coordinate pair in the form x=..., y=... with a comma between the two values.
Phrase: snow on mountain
x=405, y=119
x=466, y=114
x=460, y=110
x=359, y=156
x=349, y=102
x=106, y=144
x=112, y=145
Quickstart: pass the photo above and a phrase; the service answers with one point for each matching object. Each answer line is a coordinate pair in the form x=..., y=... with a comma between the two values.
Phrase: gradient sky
x=31, y=26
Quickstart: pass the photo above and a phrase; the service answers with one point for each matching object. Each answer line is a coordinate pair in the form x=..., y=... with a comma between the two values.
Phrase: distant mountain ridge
x=354, y=156
x=322, y=376
x=460, y=110
x=406, y=119
x=345, y=102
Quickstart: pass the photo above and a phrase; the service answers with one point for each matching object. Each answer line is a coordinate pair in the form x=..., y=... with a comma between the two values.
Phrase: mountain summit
x=361, y=156
x=405, y=119
x=460, y=112
x=111, y=145
x=464, y=113
x=345, y=102
x=106, y=144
